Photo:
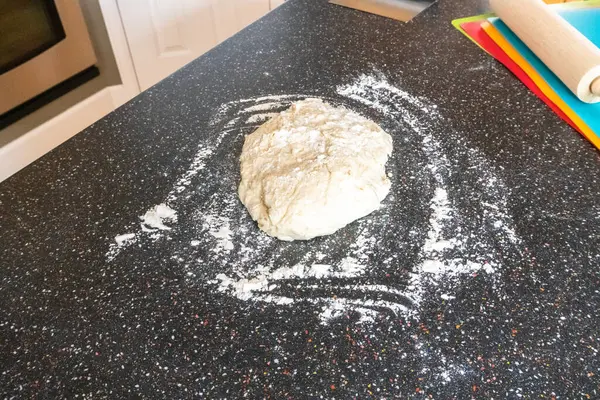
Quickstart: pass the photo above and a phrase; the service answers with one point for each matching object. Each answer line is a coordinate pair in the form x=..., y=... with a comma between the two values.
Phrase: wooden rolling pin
x=565, y=51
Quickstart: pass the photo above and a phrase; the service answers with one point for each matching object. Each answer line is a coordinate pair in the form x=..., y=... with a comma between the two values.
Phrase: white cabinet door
x=231, y=16
x=164, y=35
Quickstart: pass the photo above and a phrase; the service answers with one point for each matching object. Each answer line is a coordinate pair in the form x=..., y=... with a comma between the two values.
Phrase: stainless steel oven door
x=54, y=65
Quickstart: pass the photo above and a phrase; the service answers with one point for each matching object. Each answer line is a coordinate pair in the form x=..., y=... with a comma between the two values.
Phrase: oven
x=45, y=49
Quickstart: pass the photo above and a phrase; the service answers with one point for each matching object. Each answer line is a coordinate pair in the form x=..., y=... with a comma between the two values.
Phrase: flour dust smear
x=428, y=237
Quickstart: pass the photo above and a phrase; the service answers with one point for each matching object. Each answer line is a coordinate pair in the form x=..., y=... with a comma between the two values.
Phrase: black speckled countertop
x=478, y=278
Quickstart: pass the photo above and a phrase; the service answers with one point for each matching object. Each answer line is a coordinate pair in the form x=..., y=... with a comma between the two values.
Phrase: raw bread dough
x=313, y=169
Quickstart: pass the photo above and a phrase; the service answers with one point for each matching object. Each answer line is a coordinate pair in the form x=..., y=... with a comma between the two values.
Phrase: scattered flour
x=256, y=270
x=219, y=228
x=263, y=285
x=446, y=252
x=244, y=289
x=441, y=211
x=122, y=239
x=181, y=185
x=151, y=225
x=156, y=217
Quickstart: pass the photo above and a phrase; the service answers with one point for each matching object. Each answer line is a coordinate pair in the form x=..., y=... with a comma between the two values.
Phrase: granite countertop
x=128, y=268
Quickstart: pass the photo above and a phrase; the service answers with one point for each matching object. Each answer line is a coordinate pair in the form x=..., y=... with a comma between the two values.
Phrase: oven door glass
x=27, y=28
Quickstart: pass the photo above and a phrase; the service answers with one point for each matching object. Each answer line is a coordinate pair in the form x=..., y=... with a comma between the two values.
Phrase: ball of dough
x=313, y=169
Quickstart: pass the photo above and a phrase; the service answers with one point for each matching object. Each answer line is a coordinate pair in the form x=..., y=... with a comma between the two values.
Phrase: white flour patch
x=152, y=223
x=441, y=211
x=120, y=242
x=232, y=123
x=265, y=280
x=156, y=218
x=122, y=239
x=218, y=228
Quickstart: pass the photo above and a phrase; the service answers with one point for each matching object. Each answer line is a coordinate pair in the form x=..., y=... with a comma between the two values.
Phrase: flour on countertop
x=218, y=227
x=256, y=268
x=157, y=217
x=197, y=165
x=152, y=223
x=122, y=239
x=447, y=251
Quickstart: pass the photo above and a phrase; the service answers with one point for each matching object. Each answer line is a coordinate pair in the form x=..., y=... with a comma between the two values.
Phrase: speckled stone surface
x=152, y=320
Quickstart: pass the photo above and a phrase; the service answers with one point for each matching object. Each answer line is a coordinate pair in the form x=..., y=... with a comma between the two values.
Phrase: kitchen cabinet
x=164, y=35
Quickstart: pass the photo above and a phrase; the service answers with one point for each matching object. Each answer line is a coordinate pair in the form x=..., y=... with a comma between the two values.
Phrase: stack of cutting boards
x=545, y=76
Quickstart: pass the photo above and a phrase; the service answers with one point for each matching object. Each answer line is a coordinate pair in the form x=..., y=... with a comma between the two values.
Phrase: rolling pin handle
x=595, y=87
